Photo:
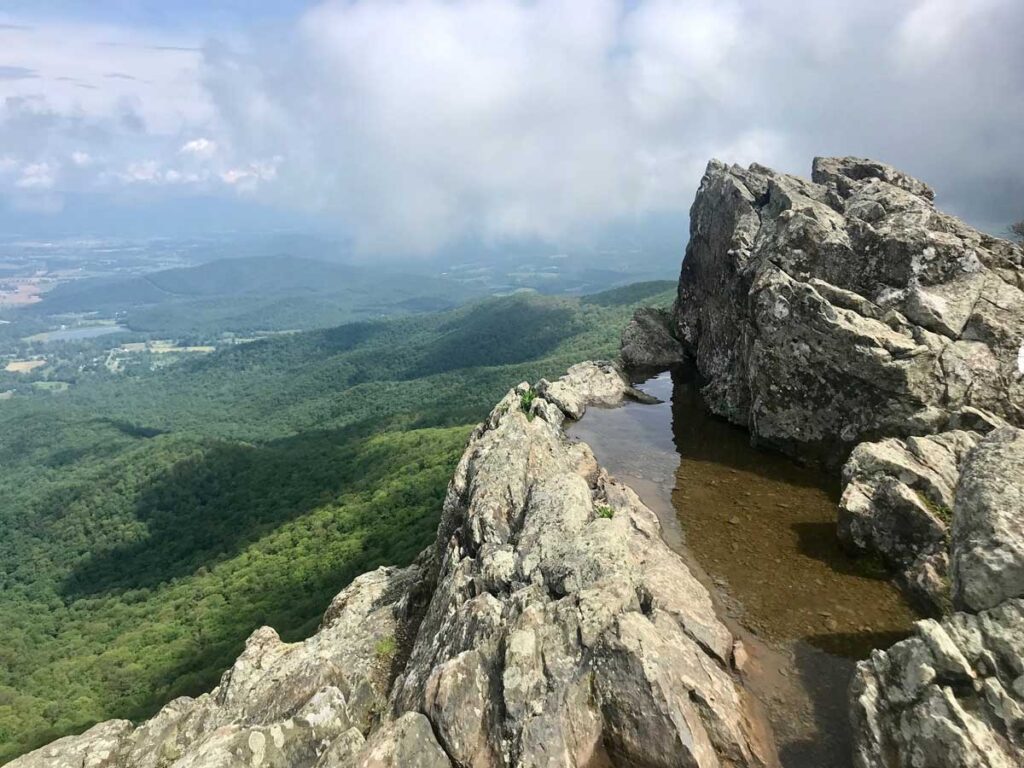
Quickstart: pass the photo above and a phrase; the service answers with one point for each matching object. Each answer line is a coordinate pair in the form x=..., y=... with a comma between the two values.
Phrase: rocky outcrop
x=647, y=341
x=898, y=502
x=904, y=499
x=549, y=625
x=988, y=523
x=591, y=383
x=951, y=696
x=828, y=312
x=280, y=704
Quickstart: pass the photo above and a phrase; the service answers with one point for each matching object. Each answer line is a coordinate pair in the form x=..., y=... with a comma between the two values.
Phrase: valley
x=155, y=516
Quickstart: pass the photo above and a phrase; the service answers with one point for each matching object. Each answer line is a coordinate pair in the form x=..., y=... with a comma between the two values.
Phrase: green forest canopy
x=152, y=522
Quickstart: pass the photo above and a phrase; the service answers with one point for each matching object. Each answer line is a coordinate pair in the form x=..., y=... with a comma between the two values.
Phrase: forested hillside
x=257, y=293
x=150, y=523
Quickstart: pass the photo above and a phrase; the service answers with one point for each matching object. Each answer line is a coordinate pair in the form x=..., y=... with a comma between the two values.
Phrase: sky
x=409, y=126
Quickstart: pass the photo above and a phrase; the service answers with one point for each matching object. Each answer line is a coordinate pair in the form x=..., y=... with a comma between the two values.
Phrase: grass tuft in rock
x=386, y=647
x=603, y=510
x=526, y=401
x=944, y=513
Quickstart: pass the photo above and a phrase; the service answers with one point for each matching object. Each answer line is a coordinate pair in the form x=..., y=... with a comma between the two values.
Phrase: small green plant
x=386, y=647
x=603, y=510
x=944, y=513
x=527, y=398
x=526, y=401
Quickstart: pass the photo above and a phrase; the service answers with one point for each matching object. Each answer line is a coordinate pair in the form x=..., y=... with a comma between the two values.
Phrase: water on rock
x=760, y=530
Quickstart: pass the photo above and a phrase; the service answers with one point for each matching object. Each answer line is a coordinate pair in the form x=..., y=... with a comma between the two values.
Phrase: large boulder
x=549, y=625
x=563, y=630
x=952, y=695
x=921, y=502
x=828, y=312
x=647, y=340
x=897, y=502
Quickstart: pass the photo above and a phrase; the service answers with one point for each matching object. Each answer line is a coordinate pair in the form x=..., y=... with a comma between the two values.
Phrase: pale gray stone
x=988, y=523
x=826, y=313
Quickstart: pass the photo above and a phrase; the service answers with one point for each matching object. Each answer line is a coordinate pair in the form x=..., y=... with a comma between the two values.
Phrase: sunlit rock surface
x=828, y=312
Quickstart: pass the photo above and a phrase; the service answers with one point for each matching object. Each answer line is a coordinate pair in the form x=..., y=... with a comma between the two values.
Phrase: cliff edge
x=549, y=625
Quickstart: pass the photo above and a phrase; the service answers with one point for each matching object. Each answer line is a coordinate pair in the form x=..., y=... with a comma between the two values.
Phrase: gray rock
x=647, y=341
x=408, y=742
x=898, y=502
x=826, y=313
x=102, y=746
x=556, y=635
x=600, y=383
x=280, y=704
x=947, y=697
x=988, y=523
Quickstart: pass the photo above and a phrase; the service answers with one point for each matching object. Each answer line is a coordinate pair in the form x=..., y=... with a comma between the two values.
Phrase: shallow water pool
x=759, y=530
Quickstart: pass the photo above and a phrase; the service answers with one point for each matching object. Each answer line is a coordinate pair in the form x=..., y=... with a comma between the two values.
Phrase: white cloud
x=421, y=122
x=413, y=124
x=36, y=176
x=201, y=147
x=147, y=171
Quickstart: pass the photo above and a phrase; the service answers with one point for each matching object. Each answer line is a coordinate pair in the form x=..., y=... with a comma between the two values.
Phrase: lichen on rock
x=847, y=308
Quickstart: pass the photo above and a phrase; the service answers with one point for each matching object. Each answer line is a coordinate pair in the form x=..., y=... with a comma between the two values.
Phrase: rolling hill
x=152, y=522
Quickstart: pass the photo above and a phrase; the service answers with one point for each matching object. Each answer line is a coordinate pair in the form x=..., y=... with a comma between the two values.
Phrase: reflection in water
x=760, y=531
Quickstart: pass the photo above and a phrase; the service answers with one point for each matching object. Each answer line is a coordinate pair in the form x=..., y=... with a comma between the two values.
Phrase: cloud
x=420, y=122
x=414, y=124
x=200, y=147
x=17, y=73
x=36, y=176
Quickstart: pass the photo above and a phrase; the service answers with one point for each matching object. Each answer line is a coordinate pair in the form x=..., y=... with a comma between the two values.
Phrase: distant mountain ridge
x=255, y=293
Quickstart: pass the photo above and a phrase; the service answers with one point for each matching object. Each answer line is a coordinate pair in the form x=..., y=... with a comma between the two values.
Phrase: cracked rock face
x=951, y=696
x=280, y=704
x=548, y=626
x=828, y=312
x=898, y=502
x=563, y=631
x=988, y=523
x=945, y=511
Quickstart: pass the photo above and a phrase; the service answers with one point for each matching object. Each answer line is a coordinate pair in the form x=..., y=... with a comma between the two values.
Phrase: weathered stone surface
x=99, y=747
x=537, y=632
x=845, y=309
x=591, y=383
x=954, y=694
x=407, y=742
x=647, y=340
x=898, y=501
x=951, y=696
x=280, y=704
x=556, y=634
x=988, y=523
